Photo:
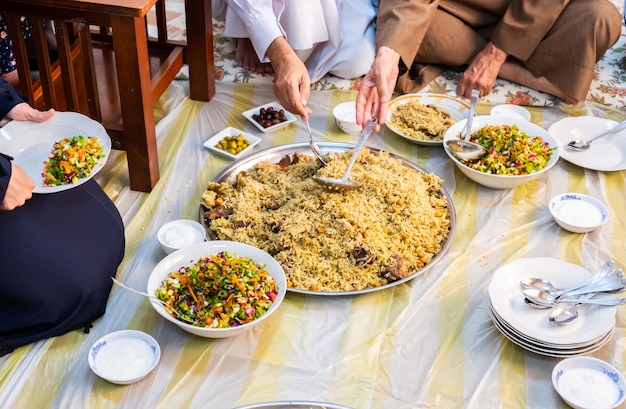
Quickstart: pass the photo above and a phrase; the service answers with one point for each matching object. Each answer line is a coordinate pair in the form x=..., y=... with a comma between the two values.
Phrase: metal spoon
x=470, y=117
x=316, y=150
x=606, y=302
x=155, y=299
x=542, y=284
x=582, y=145
x=542, y=297
x=564, y=316
x=465, y=150
x=344, y=183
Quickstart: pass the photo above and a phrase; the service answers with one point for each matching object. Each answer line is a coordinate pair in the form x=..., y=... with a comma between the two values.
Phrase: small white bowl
x=178, y=234
x=578, y=213
x=585, y=383
x=249, y=114
x=189, y=255
x=512, y=111
x=345, y=117
x=124, y=357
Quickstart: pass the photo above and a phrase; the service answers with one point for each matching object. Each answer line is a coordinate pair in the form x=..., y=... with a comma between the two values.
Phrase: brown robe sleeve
x=525, y=24
x=401, y=25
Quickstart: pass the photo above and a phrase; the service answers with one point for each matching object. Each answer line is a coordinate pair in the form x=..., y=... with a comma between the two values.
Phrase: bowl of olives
x=269, y=117
x=232, y=142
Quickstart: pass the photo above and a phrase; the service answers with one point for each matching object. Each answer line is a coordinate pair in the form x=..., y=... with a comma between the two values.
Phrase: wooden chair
x=103, y=46
x=67, y=84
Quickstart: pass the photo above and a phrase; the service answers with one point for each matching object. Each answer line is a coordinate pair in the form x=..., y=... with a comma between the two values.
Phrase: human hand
x=482, y=72
x=377, y=87
x=19, y=189
x=292, y=85
x=24, y=112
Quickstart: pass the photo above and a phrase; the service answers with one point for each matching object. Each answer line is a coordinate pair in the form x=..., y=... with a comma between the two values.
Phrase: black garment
x=58, y=253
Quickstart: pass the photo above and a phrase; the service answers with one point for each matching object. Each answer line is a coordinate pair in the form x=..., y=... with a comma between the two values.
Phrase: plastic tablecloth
x=423, y=344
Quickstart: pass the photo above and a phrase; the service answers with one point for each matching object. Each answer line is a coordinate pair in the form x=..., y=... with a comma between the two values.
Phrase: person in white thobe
x=304, y=40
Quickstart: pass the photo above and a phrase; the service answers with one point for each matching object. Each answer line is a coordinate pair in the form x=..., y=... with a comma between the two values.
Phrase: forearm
x=261, y=22
x=9, y=98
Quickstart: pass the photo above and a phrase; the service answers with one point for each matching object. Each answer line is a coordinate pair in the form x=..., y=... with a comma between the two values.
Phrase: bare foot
x=247, y=59
x=513, y=71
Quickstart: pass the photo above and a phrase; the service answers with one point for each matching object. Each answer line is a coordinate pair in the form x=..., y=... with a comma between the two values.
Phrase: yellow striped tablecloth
x=429, y=343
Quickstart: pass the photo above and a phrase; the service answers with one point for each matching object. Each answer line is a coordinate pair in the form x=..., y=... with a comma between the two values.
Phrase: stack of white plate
x=529, y=327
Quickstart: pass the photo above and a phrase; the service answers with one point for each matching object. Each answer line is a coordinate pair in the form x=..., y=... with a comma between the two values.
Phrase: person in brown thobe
x=548, y=45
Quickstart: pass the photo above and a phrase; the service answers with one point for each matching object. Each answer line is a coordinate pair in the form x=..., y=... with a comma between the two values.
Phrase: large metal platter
x=293, y=405
x=276, y=153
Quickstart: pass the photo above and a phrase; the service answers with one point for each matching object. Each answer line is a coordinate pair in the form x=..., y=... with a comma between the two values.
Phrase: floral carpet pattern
x=608, y=87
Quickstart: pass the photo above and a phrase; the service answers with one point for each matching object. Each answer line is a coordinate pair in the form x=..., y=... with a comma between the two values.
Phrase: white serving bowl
x=512, y=111
x=585, y=383
x=345, y=117
x=578, y=213
x=189, y=255
x=124, y=357
x=178, y=234
x=500, y=181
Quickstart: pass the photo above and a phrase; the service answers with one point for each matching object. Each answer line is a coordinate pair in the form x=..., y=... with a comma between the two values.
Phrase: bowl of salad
x=217, y=289
x=518, y=151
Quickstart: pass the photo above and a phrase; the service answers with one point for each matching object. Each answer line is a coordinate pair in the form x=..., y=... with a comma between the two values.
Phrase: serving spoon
x=462, y=148
x=155, y=299
x=344, y=183
x=582, y=145
x=466, y=150
x=316, y=150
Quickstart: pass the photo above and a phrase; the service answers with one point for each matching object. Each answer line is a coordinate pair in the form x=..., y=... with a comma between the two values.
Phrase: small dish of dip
x=577, y=212
x=124, y=357
x=178, y=234
x=511, y=111
x=585, y=382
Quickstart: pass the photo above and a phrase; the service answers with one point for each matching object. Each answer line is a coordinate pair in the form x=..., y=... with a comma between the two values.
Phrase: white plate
x=249, y=113
x=542, y=344
x=605, y=154
x=293, y=405
x=211, y=142
x=456, y=108
x=547, y=351
x=30, y=144
x=508, y=302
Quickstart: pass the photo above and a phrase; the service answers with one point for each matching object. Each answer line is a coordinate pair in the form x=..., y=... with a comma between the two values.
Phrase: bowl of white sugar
x=124, y=357
x=179, y=234
x=577, y=212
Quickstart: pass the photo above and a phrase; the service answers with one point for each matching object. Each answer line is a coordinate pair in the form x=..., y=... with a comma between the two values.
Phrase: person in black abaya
x=58, y=251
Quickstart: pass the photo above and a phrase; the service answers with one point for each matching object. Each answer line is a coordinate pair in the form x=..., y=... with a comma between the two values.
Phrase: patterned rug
x=607, y=88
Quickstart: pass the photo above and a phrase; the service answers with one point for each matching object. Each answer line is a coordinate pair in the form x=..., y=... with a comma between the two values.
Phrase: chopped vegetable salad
x=219, y=291
x=71, y=159
x=511, y=151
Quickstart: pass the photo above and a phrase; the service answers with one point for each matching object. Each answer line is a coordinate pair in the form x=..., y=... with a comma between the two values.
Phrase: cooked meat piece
x=285, y=162
x=219, y=211
x=361, y=256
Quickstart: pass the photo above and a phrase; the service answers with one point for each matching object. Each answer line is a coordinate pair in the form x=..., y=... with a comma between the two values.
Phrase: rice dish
x=388, y=229
x=423, y=122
